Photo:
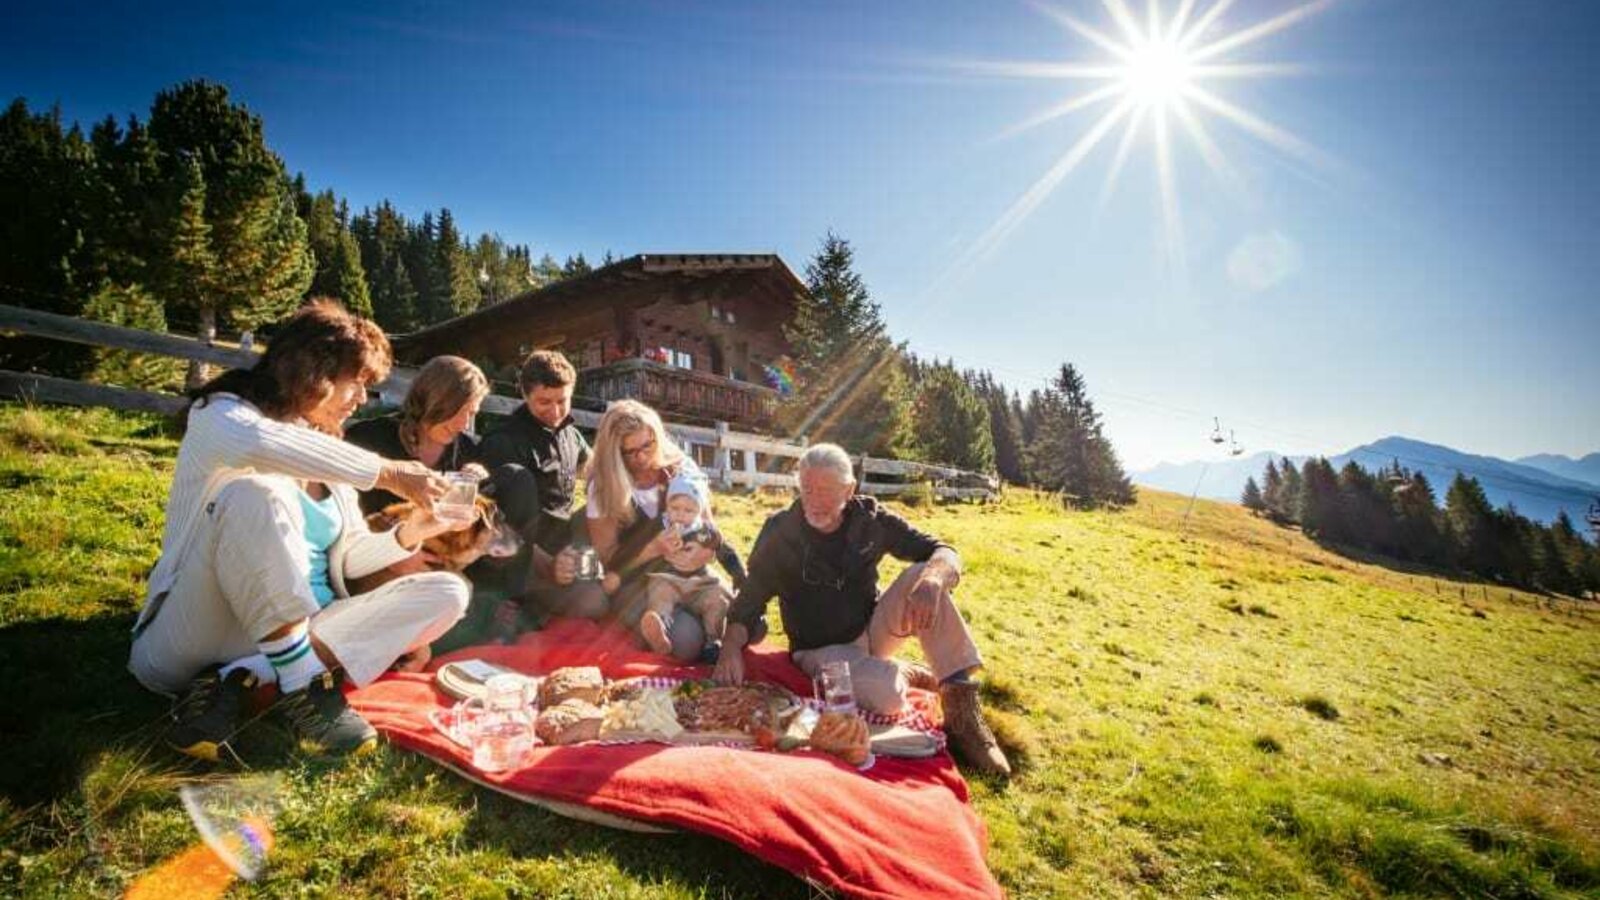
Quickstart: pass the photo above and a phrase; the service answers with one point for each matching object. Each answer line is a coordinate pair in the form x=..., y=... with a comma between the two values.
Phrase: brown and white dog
x=451, y=551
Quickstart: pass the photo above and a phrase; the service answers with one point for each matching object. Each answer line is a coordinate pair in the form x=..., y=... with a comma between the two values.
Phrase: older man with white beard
x=820, y=558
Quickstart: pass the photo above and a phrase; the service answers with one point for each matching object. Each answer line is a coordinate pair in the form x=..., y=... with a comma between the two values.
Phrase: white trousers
x=244, y=579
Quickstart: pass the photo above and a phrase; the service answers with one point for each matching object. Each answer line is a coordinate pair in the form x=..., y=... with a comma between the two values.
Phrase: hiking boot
x=321, y=720
x=919, y=676
x=206, y=718
x=969, y=735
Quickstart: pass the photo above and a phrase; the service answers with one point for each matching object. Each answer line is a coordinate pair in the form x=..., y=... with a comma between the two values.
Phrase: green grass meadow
x=1201, y=707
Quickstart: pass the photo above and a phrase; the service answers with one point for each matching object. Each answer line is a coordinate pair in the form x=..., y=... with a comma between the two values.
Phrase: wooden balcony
x=681, y=393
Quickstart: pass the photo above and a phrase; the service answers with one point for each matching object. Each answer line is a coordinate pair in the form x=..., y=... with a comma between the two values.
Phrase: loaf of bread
x=569, y=722
x=842, y=735
x=573, y=683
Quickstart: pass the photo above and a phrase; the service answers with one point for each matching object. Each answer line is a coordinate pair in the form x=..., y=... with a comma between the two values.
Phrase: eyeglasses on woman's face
x=640, y=450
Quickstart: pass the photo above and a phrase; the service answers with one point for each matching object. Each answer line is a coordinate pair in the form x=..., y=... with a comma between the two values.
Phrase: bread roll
x=842, y=735
x=570, y=722
x=574, y=683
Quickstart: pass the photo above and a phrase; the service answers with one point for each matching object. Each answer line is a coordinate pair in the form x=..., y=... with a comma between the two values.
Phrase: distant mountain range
x=1540, y=486
x=1586, y=469
x=1216, y=480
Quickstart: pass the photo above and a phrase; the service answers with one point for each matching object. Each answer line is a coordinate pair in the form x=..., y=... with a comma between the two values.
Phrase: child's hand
x=610, y=582
x=666, y=542
x=690, y=557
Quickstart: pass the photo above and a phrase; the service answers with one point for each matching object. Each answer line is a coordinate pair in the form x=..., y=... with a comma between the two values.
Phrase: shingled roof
x=577, y=308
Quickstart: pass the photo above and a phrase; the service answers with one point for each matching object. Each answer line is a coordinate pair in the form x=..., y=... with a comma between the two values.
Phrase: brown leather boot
x=969, y=735
x=919, y=676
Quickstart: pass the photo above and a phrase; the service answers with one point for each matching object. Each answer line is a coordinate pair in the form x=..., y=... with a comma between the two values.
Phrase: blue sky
x=1432, y=274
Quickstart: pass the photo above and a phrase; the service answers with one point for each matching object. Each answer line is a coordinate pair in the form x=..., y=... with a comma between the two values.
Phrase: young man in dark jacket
x=541, y=443
x=820, y=558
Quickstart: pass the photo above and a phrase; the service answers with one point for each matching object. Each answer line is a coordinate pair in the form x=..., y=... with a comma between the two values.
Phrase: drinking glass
x=838, y=693
x=460, y=501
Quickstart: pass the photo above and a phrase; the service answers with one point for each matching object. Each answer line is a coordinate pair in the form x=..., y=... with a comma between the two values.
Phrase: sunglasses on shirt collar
x=810, y=574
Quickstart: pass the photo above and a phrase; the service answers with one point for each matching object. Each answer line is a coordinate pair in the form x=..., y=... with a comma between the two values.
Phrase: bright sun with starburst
x=1154, y=75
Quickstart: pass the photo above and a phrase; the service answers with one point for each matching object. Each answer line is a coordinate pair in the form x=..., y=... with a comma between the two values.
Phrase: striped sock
x=293, y=659
x=258, y=666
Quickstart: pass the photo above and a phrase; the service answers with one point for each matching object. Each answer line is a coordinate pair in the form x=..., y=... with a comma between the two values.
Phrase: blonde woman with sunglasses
x=634, y=460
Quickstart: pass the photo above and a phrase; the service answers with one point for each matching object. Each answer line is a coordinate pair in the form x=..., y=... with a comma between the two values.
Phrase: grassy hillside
x=1216, y=708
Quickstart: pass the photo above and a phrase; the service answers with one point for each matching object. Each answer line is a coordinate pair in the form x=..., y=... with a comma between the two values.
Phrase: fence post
x=724, y=456
x=750, y=468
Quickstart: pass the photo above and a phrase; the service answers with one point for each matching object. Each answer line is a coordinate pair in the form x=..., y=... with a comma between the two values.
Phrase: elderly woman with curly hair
x=263, y=535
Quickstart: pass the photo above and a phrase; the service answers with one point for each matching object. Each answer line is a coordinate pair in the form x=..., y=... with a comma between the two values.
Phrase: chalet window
x=680, y=359
x=728, y=315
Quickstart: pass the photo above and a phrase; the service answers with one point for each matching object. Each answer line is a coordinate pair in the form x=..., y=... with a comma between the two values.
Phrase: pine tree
x=1573, y=550
x=1272, y=493
x=188, y=275
x=1251, y=498
x=263, y=264
x=1365, y=510
x=852, y=384
x=131, y=195
x=44, y=174
x=339, y=272
x=382, y=237
x=1289, y=497
x=131, y=306
x=401, y=294
x=1550, y=565
x=1320, y=510
x=267, y=284
x=952, y=424
x=421, y=256
x=503, y=272
x=548, y=271
x=1028, y=414
x=1471, y=526
x=457, y=277
x=1418, y=522
x=1070, y=452
x=576, y=266
x=1005, y=428
x=1516, y=541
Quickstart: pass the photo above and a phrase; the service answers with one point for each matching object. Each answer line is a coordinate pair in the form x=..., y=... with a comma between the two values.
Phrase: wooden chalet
x=693, y=335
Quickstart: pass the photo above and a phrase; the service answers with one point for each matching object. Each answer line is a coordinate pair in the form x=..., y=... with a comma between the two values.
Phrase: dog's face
x=488, y=535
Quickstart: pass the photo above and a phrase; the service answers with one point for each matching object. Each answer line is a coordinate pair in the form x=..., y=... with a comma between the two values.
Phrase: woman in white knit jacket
x=263, y=530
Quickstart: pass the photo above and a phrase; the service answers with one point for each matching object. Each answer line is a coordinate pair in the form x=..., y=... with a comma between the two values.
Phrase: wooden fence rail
x=714, y=447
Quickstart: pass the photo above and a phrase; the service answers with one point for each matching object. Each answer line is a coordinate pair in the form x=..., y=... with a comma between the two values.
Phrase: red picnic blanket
x=902, y=828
